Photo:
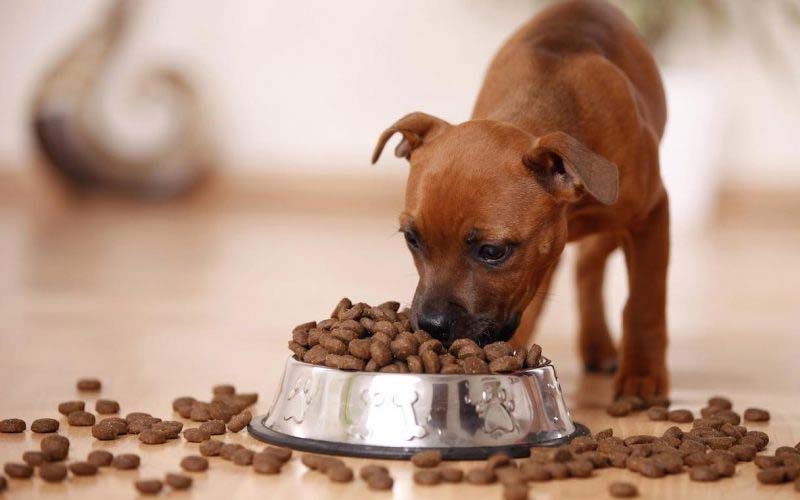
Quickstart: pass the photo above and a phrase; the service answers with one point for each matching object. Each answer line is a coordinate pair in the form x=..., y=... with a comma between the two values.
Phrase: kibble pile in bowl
x=380, y=339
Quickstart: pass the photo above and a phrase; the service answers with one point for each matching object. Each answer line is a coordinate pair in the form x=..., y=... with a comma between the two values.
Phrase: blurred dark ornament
x=71, y=133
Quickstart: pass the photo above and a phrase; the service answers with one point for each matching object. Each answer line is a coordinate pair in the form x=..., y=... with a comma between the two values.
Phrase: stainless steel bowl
x=388, y=415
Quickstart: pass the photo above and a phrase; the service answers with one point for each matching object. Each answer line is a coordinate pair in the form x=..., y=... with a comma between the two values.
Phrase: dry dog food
x=44, y=425
x=33, y=458
x=178, y=481
x=170, y=428
x=104, y=431
x=240, y=421
x=83, y=468
x=194, y=463
x=480, y=475
x=152, y=436
x=80, y=419
x=427, y=477
x=340, y=474
x=149, y=486
x=380, y=482
x=12, y=425
x=106, y=406
x=100, y=458
x=89, y=384
x=243, y=456
x=756, y=415
x=53, y=472
x=427, y=459
x=3, y=484
x=196, y=435
x=126, y=461
x=210, y=447
x=361, y=337
x=68, y=407
x=223, y=390
x=282, y=454
x=622, y=490
x=213, y=427
x=18, y=470
x=54, y=447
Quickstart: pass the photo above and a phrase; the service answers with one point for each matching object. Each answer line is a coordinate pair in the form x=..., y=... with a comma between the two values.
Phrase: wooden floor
x=164, y=301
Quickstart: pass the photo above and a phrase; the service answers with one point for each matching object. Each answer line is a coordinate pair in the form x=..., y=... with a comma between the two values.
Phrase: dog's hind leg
x=594, y=340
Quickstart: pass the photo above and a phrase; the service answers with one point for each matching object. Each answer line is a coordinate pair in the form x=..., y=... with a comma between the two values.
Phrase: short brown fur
x=562, y=147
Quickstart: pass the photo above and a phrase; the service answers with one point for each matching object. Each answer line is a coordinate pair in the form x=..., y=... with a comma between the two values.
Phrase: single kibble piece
x=264, y=463
x=18, y=470
x=657, y=413
x=151, y=436
x=80, y=419
x=703, y=473
x=380, y=482
x=427, y=477
x=137, y=415
x=89, y=384
x=68, y=407
x=149, y=486
x=498, y=460
x=54, y=447
x=480, y=475
x=100, y=458
x=33, y=458
x=756, y=415
x=210, y=447
x=182, y=401
x=120, y=425
x=371, y=469
x=243, y=456
x=621, y=489
x=83, y=468
x=534, y=357
x=619, y=408
x=104, y=432
x=44, y=425
x=427, y=459
x=214, y=427
x=240, y=421
x=106, y=406
x=196, y=435
x=12, y=426
x=194, y=463
x=680, y=416
x=228, y=449
x=200, y=414
x=170, y=428
x=53, y=472
x=776, y=475
x=178, y=481
x=451, y=474
x=340, y=474
x=720, y=402
x=126, y=461
x=282, y=454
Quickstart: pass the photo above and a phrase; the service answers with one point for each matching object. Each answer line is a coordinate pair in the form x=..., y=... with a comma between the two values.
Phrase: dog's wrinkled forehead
x=472, y=176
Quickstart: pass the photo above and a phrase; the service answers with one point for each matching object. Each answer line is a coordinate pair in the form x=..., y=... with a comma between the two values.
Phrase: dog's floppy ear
x=416, y=128
x=566, y=168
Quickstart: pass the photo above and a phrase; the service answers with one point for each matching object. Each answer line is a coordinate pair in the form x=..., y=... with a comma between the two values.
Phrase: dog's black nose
x=437, y=324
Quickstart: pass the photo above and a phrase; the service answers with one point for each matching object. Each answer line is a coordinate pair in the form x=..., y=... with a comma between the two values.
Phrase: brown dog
x=562, y=146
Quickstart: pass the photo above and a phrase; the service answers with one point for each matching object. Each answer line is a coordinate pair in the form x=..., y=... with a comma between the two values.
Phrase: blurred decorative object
x=77, y=138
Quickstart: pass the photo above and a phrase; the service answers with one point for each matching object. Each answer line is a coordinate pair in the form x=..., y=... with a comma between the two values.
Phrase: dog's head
x=485, y=217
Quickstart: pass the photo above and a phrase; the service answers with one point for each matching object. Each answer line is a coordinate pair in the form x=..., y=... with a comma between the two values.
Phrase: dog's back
x=540, y=60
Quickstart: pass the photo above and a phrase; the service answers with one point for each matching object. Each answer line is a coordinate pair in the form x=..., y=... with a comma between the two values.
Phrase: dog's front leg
x=643, y=370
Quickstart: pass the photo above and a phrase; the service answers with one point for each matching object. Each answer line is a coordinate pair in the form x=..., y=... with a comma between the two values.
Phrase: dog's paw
x=602, y=359
x=645, y=385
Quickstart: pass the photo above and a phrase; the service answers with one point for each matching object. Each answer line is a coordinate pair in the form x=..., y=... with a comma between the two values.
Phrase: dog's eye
x=492, y=254
x=411, y=239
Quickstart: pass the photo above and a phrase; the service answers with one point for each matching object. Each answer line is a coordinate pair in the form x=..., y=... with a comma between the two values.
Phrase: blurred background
x=196, y=171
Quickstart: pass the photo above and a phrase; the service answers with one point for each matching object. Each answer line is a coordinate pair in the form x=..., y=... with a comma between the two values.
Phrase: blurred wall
x=308, y=85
